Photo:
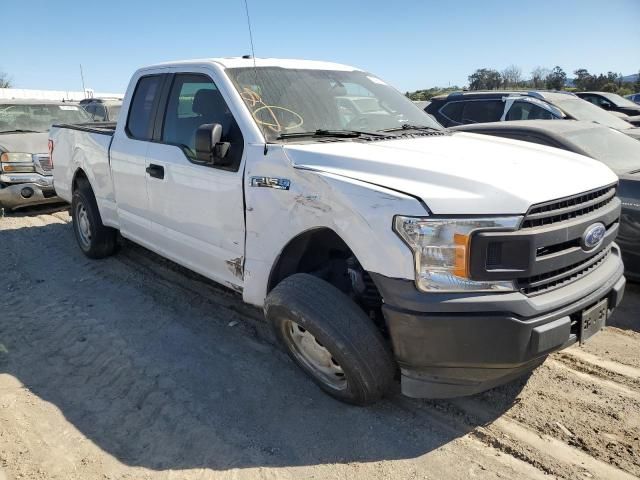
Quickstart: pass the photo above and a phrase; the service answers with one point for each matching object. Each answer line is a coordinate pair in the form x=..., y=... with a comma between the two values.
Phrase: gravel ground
x=133, y=368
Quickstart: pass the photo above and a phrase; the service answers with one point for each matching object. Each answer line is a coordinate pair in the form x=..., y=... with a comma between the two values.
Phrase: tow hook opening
x=27, y=192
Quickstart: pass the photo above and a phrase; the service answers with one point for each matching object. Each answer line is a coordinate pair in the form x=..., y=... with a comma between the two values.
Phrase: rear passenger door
x=196, y=210
x=128, y=155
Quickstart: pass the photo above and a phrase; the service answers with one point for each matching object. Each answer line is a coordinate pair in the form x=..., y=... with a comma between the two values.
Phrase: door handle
x=155, y=171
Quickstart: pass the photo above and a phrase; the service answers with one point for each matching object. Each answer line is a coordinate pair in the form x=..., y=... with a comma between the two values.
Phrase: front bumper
x=450, y=345
x=35, y=190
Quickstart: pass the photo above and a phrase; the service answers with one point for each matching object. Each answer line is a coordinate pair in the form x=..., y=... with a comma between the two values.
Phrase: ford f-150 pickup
x=375, y=241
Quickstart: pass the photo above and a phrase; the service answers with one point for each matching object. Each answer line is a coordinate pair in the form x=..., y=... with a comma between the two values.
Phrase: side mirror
x=209, y=148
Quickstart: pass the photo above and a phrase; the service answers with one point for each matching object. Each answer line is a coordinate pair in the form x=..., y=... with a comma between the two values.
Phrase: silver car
x=26, y=176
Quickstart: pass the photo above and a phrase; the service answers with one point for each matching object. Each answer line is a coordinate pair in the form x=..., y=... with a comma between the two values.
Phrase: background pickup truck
x=25, y=169
x=373, y=240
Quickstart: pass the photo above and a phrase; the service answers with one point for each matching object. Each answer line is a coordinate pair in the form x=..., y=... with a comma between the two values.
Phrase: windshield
x=582, y=110
x=618, y=100
x=38, y=117
x=618, y=151
x=289, y=101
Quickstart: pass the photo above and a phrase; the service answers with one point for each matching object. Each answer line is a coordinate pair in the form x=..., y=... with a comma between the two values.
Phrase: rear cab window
x=143, y=107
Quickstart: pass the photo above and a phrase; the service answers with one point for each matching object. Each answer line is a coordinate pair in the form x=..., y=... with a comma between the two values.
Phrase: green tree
x=538, y=76
x=4, y=80
x=512, y=76
x=637, y=84
x=556, y=79
x=429, y=93
x=485, y=79
x=609, y=87
x=583, y=79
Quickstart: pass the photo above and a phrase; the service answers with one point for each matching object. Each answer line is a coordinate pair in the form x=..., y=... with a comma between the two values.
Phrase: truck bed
x=82, y=146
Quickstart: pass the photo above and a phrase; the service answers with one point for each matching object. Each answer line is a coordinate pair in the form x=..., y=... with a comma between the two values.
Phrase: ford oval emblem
x=592, y=236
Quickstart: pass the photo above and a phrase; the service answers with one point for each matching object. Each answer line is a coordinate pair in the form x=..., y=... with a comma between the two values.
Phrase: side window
x=528, y=111
x=141, y=111
x=453, y=111
x=195, y=100
x=91, y=110
x=481, y=111
x=100, y=114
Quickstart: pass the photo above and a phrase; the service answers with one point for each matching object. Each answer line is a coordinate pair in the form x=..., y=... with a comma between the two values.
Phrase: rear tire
x=331, y=339
x=94, y=239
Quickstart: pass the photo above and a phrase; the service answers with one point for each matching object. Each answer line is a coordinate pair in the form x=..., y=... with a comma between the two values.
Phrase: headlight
x=441, y=249
x=17, y=163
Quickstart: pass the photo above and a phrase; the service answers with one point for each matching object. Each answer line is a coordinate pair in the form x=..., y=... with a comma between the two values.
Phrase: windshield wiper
x=19, y=130
x=330, y=133
x=410, y=126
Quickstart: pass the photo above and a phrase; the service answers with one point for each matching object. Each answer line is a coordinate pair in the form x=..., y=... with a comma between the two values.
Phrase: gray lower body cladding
x=450, y=345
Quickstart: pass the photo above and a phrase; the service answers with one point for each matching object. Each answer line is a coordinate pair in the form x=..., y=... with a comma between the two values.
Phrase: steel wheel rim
x=83, y=225
x=315, y=356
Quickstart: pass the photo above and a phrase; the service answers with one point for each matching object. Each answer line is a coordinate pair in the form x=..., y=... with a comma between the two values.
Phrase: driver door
x=197, y=210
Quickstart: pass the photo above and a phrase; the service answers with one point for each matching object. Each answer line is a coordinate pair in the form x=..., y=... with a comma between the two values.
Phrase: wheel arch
x=78, y=176
x=306, y=250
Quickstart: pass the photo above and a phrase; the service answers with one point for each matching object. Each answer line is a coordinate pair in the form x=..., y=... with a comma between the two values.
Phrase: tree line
x=4, y=80
x=512, y=78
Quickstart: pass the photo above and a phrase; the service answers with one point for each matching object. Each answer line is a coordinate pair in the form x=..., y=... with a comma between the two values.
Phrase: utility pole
x=84, y=91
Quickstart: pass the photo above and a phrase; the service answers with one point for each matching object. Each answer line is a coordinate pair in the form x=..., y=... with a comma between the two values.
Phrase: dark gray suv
x=462, y=108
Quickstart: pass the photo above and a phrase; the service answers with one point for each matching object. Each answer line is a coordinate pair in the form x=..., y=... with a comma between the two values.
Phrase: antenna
x=255, y=68
x=84, y=91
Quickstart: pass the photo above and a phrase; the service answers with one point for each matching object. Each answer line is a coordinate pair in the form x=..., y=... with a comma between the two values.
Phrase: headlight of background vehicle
x=441, y=248
x=17, y=163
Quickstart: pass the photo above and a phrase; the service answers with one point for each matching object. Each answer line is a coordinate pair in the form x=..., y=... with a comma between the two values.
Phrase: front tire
x=94, y=239
x=331, y=339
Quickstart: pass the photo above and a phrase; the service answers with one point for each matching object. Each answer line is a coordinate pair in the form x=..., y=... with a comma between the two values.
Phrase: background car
x=102, y=109
x=634, y=97
x=611, y=147
x=26, y=176
x=611, y=101
x=461, y=108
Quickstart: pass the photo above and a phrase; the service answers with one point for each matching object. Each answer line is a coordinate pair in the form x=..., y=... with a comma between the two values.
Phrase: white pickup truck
x=375, y=241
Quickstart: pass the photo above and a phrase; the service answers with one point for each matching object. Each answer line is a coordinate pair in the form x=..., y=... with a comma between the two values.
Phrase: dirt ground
x=133, y=368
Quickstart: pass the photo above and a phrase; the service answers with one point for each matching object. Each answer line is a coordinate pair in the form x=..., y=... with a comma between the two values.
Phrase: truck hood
x=24, y=142
x=462, y=173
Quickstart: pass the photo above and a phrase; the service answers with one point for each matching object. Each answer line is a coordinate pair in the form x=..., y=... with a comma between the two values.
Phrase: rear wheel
x=95, y=240
x=331, y=339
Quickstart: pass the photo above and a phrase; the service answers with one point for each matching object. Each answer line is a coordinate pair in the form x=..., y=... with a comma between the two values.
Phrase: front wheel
x=95, y=240
x=331, y=339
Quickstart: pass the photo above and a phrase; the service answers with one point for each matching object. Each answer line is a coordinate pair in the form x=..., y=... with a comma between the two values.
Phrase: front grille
x=45, y=162
x=547, y=252
x=557, y=278
x=568, y=208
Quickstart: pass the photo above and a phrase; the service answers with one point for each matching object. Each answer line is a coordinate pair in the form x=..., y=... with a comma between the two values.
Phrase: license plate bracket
x=593, y=319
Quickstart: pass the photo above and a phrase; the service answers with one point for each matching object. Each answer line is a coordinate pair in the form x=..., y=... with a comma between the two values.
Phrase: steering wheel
x=278, y=119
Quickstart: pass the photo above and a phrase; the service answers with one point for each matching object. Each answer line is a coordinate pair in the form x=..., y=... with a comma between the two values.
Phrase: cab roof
x=247, y=61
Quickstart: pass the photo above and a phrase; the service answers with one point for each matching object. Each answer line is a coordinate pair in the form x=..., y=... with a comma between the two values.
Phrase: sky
x=410, y=44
